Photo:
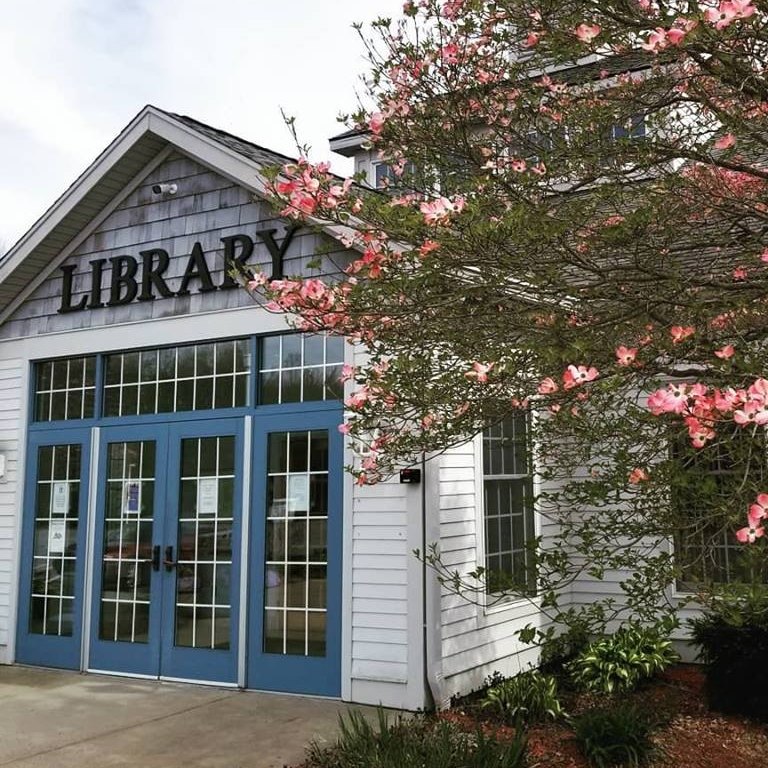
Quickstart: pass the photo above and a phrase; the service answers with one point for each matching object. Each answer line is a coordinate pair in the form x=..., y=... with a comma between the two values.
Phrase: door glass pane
x=128, y=514
x=206, y=509
x=55, y=540
x=296, y=575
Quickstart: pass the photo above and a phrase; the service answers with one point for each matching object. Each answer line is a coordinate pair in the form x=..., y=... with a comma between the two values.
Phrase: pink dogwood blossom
x=574, y=375
x=726, y=352
x=725, y=142
x=547, y=386
x=626, y=355
x=750, y=534
x=480, y=372
x=638, y=475
x=680, y=333
x=587, y=32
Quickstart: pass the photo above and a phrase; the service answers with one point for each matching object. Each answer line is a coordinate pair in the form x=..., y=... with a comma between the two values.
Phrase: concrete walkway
x=52, y=719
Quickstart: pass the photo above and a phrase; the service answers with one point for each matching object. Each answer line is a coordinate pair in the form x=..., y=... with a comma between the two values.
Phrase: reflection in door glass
x=295, y=578
x=203, y=573
x=55, y=545
x=127, y=555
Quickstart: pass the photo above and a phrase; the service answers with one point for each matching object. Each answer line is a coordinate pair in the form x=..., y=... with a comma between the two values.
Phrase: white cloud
x=76, y=71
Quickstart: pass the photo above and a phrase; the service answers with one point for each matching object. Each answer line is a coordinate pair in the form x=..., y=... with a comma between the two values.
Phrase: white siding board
x=380, y=562
x=378, y=651
x=380, y=533
x=380, y=591
x=11, y=383
x=380, y=635
x=380, y=620
x=375, y=576
x=379, y=671
x=367, y=547
x=379, y=605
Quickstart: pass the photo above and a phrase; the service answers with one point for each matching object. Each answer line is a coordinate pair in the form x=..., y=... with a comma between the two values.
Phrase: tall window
x=508, y=506
x=709, y=501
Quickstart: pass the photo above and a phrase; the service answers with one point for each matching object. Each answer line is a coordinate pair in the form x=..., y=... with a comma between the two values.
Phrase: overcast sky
x=75, y=72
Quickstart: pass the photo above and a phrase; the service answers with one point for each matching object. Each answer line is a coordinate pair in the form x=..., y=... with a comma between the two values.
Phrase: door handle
x=155, y=559
x=169, y=562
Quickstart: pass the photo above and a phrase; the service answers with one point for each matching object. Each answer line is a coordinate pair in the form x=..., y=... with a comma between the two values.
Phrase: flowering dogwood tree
x=577, y=226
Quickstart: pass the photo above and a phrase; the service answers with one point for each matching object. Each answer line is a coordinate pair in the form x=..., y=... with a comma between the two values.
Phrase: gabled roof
x=148, y=138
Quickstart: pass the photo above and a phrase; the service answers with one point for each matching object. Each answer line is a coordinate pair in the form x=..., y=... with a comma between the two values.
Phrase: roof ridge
x=196, y=124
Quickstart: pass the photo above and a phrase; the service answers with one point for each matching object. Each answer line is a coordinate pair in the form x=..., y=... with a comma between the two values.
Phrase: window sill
x=511, y=602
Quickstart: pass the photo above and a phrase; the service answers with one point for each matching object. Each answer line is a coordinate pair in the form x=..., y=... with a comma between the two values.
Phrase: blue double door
x=156, y=515
x=166, y=565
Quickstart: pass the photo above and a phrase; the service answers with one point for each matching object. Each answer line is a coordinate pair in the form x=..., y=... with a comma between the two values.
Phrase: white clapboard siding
x=11, y=385
x=476, y=640
x=380, y=555
x=385, y=632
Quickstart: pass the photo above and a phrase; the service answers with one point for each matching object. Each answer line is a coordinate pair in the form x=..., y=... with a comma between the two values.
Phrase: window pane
x=55, y=540
x=508, y=507
x=194, y=377
x=296, y=368
x=64, y=389
x=295, y=576
x=705, y=489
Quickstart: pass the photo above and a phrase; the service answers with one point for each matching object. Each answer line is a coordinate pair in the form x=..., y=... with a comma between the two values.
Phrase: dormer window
x=384, y=176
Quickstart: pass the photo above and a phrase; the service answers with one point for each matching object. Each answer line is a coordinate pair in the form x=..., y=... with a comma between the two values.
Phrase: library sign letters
x=142, y=277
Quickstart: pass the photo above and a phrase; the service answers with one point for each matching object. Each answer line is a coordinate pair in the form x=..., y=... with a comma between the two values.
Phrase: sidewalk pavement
x=56, y=719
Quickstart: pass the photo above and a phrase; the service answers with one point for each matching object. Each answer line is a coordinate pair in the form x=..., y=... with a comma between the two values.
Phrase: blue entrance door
x=53, y=547
x=166, y=556
x=294, y=628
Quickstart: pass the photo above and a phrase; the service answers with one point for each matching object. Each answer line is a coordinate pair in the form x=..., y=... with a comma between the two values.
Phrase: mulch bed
x=688, y=734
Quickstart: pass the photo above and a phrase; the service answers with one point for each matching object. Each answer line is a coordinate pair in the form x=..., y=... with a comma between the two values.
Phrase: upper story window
x=65, y=389
x=296, y=368
x=704, y=493
x=632, y=128
x=508, y=506
x=384, y=177
x=188, y=378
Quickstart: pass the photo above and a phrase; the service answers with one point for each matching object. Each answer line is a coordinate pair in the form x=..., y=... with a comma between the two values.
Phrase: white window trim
x=504, y=604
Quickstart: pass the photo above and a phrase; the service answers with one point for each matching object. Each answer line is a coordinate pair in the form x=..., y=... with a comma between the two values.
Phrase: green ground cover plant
x=619, y=736
x=528, y=697
x=619, y=662
x=417, y=742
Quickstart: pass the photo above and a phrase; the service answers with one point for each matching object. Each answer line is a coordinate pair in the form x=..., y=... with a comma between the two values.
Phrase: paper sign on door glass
x=60, y=498
x=207, y=496
x=298, y=494
x=132, y=497
x=56, y=537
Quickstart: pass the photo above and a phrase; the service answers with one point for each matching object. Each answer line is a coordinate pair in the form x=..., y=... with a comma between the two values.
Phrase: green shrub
x=558, y=651
x=616, y=736
x=417, y=742
x=733, y=640
x=621, y=661
x=528, y=697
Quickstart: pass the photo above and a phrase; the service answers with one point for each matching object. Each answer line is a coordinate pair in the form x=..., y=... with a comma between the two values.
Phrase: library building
x=173, y=499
